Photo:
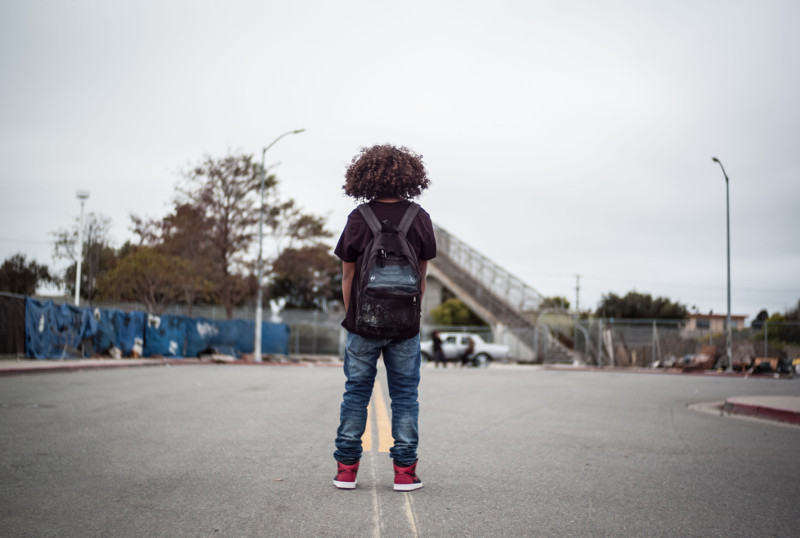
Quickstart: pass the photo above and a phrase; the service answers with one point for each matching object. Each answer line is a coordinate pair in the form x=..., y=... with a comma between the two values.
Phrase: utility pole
x=728, y=222
x=260, y=263
x=82, y=196
x=578, y=294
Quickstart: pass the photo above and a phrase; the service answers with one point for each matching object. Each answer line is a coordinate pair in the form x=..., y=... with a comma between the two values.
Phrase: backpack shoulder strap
x=408, y=218
x=370, y=218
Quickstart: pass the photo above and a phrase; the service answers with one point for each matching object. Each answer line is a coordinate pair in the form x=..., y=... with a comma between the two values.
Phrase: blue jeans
x=402, y=361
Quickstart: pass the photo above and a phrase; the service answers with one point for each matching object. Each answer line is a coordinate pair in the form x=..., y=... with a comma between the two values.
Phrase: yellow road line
x=385, y=440
x=378, y=412
x=366, y=439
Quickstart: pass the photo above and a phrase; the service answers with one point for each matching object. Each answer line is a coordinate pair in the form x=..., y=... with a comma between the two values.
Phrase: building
x=712, y=323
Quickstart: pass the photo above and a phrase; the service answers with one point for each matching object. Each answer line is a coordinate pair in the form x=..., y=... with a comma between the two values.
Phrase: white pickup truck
x=454, y=345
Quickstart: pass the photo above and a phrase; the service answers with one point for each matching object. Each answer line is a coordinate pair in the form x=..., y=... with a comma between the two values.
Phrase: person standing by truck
x=438, y=352
x=466, y=356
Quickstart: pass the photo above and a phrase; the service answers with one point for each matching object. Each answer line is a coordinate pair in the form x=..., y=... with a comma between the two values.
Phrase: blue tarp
x=56, y=331
x=118, y=329
x=104, y=337
x=129, y=331
x=199, y=336
x=235, y=337
x=165, y=336
x=274, y=338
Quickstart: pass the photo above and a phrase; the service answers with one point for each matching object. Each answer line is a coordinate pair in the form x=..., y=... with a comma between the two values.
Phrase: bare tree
x=214, y=226
x=216, y=214
x=184, y=234
x=220, y=192
x=98, y=255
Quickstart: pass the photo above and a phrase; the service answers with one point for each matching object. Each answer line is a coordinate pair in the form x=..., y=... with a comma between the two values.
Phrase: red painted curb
x=660, y=371
x=49, y=369
x=65, y=366
x=733, y=405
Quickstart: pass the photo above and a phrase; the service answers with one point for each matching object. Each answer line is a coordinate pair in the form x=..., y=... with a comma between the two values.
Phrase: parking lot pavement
x=784, y=409
x=218, y=450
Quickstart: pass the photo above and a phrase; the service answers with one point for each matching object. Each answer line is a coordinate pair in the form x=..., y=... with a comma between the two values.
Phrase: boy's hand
x=348, y=272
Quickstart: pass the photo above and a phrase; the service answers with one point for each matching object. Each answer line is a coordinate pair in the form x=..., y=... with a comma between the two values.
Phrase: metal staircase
x=503, y=298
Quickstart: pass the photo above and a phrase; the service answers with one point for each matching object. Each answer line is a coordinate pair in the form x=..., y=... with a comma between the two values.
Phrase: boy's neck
x=389, y=200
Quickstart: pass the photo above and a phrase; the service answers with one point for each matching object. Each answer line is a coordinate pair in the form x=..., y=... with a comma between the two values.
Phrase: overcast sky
x=562, y=138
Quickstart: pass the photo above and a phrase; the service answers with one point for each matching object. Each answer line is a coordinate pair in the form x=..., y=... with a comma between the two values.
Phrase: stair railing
x=513, y=291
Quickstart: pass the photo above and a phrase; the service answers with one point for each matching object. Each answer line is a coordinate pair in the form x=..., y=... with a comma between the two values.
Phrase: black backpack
x=389, y=287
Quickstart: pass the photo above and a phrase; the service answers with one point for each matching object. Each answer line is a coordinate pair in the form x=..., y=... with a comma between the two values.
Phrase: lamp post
x=82, y=196
x=260, y=275
x=728, y=221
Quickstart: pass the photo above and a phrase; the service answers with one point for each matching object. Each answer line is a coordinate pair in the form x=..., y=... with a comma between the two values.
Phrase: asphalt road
x=216, y=450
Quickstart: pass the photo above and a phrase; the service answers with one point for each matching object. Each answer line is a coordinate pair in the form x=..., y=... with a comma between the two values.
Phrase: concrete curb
x=660, y=371
x=8, y=368
x=779, y=408
x=49, y=366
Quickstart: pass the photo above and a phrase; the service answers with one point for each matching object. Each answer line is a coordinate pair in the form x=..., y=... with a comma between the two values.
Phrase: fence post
x=599, y=342
x=653, y=345
x=575, y=335
x=314, y=338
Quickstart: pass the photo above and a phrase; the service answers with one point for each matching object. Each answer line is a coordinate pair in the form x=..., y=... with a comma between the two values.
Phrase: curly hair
x=385, y=171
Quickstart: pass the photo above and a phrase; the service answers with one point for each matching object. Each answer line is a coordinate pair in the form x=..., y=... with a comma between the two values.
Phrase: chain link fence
x=597, y=341
x=668, y=343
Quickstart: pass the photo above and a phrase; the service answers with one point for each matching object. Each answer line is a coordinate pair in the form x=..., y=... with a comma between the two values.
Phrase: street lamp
x=260, y=276
x=82, y=196
x=728, y=218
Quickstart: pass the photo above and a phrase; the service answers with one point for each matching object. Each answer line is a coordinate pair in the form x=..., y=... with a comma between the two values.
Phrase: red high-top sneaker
x=346, y=475
x=405, y=478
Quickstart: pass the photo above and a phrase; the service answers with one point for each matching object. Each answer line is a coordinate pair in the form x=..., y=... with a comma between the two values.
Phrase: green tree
x=781, y=329
x=453, y=312
x=790, y=330
x=307, y=277
x=17, y=275
x=773, y=327
x=636, y=305
x=758, y=322
x=556, y=302
x=147, y=276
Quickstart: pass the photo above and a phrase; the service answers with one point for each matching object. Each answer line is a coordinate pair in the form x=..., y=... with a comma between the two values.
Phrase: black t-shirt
x=357, y=236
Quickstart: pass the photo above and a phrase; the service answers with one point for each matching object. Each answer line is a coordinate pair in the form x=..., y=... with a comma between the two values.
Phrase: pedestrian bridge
x=506, y=303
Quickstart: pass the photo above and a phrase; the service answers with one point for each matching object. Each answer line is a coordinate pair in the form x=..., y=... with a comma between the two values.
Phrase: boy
x=387, y=177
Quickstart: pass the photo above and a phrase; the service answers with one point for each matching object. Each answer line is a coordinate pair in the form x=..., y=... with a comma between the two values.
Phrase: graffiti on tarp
x=60, y=331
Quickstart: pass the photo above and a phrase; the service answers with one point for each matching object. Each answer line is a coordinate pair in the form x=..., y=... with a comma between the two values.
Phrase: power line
x=637, y=282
